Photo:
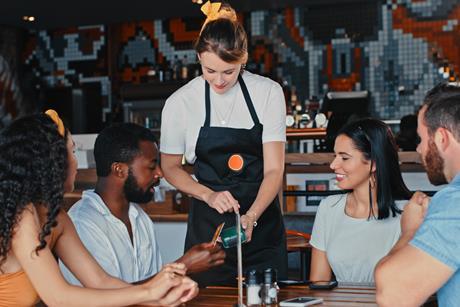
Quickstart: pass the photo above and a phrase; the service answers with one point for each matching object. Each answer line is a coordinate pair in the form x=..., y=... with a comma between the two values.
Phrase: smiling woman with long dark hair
x=353, y=231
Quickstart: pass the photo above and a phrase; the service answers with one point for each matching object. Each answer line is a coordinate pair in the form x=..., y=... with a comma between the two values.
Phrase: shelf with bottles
x=146, y=113
x=162, y=79
x=305, y=125
x=147, y=119
x=142, y=103
x=306, y=140
x=179, y=69
x=303, y=120
x=148, y=91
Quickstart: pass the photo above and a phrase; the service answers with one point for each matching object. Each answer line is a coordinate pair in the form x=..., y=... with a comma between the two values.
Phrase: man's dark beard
x=434, y=165
x=134, y=193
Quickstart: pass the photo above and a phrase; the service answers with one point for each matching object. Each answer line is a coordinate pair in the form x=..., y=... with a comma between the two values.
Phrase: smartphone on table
x=284, y=283
x=323, y=285
x=301, y=301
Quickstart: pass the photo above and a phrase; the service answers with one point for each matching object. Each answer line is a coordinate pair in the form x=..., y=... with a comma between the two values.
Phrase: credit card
x=217, y=233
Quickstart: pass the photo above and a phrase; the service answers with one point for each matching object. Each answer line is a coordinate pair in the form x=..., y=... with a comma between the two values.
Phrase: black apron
x=214, y=147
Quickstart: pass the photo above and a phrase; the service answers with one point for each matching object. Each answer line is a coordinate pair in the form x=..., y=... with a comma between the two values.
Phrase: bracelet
x=254, y=218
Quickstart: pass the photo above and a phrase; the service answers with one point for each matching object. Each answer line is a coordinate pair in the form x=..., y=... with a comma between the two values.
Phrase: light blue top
x=439, y=236
x=107, y=239
x=353, y=246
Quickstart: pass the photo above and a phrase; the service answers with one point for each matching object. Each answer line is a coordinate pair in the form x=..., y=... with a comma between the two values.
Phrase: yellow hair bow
x=57, y=120
x=211, y=10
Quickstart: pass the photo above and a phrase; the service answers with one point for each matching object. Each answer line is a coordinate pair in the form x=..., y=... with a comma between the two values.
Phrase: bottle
x=313, y=106
x=184, y=69
x=296, y=107
x=254, y=288
x=160, y=73
x=290, y=111
x=270, y=287
x=287, y=91
x=196, y=69
x=293, y=97
x=152, y=74
x=176, y=68
x=167, y=72
x=147, y=122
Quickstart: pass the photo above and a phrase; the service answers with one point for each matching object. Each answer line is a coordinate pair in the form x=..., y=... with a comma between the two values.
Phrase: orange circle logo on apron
x=235, y=162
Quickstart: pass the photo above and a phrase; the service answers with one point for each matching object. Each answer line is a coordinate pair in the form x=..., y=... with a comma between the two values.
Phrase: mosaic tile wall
x=395, y=49
x=70, y=57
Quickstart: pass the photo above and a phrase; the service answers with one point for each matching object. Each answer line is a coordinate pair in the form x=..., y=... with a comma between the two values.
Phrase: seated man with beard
x=426, y=259
x=108, y=219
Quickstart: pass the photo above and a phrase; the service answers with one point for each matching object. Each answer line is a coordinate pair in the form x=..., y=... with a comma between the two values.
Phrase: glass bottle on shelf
x=296, y=106
x=176, y=68
x=195, y=69
x=286, y=92
x=167, y=72
x=290, y=116
x=147, y=122
x=160, y=72
x=152, y=74
x=184, y=69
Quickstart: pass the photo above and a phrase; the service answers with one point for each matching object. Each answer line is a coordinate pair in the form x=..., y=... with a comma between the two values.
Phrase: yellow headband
x=57, y=120
x=213, y=11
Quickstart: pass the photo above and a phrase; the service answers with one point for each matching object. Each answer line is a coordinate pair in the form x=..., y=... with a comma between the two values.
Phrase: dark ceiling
x=51, y=14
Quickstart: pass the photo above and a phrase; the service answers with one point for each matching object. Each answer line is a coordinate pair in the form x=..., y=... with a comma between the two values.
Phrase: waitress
x=230, y=124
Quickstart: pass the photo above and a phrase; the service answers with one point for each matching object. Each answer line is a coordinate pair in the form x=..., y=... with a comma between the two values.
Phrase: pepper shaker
x=270, y=287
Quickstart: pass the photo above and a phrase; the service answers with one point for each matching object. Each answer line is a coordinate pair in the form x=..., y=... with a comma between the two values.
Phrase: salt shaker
x=254, y=288
x=270, y=287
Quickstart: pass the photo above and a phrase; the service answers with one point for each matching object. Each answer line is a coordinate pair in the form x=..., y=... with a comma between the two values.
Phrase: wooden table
x=342, y=296
x=346, y=295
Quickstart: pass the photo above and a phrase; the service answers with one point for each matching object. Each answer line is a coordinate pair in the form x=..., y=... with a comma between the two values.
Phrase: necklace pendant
x=222, y=122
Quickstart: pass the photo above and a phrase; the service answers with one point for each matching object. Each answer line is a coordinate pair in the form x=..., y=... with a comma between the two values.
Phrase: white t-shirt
x=353, y=246
x=107, y=240
x=184, y=112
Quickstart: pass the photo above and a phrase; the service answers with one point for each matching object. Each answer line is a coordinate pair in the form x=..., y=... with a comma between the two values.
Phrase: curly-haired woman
x=37, y=166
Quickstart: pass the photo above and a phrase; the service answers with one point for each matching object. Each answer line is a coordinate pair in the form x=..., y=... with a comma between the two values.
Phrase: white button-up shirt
x=107, y=239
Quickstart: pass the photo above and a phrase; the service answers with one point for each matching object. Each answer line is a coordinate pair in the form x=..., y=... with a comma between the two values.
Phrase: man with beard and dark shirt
x=426, y=259
x=108, y=219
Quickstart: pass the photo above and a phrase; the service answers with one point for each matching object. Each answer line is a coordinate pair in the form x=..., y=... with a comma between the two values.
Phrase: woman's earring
x=243, y=66
x=372, y=181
